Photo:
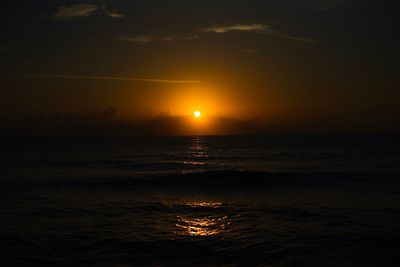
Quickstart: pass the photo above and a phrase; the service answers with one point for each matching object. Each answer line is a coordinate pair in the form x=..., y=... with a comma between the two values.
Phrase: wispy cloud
x=258, y=28
x=293, y=38
x=112, y=78
x=255, y=28
x=78, y=10
x=145, y=39
x=86, y=10
x=251, y=28
x=111, y=12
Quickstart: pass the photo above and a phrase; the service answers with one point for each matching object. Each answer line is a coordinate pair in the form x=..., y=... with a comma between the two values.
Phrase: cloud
x=255, y=28
x=252, y=28
x=78, y=10
x=111, y=12
x=140, y=39
x=86, y=10
x=78, y=77
x=258, y=28
x=293, y=38
x=107, y=123
x=146, y=39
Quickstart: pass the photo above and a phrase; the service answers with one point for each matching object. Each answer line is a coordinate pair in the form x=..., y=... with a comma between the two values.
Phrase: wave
x=129, y=164
x=376, y=249
x=208, y=180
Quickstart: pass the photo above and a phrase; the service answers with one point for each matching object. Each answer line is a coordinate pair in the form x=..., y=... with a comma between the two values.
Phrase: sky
x=250, y=66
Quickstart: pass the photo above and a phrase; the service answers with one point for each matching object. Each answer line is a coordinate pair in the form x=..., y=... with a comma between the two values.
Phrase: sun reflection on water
x=196, y=153
x=204, y=204
x=198, y=148
x=194, y=163
x=204, y=224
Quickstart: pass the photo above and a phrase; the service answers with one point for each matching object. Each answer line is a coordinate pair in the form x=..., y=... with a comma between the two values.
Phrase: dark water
x=200, y=201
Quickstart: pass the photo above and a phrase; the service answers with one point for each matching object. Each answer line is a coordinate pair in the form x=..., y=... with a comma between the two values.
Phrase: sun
x=197, y=114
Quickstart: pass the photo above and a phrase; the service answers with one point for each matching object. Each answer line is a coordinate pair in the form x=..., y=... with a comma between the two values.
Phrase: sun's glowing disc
x=197, y=114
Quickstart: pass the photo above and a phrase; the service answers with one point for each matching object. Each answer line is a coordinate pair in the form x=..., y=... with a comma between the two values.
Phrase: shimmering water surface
x=201, y=201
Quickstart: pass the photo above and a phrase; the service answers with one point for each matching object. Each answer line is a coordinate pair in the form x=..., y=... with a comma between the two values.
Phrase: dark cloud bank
x=106, y=123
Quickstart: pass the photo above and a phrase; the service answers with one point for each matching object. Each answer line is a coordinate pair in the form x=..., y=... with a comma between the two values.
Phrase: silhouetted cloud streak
x=111, y=78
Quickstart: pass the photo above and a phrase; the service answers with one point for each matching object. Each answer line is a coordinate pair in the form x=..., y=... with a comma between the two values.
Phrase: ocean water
x=200, y=201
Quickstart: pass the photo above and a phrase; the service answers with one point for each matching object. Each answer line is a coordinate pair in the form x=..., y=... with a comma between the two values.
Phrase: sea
x=279, y=200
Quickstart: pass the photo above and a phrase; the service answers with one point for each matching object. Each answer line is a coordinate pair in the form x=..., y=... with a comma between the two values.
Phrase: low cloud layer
x=105, y=123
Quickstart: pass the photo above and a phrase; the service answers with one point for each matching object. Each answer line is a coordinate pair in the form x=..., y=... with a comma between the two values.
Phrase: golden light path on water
x=202, y=225
x=203, y=218
x=197, y=152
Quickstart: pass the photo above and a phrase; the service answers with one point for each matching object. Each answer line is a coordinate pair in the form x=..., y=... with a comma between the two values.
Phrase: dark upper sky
x=329, y=64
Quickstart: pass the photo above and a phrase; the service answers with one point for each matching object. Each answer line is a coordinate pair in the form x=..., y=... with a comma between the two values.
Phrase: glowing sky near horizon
x=320, y=64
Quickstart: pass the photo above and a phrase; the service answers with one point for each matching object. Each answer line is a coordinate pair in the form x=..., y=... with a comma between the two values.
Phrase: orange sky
x=318, y=64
